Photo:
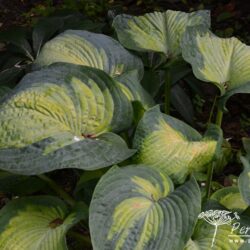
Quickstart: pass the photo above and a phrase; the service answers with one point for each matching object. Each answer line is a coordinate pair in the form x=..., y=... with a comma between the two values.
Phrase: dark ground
x=233, y=15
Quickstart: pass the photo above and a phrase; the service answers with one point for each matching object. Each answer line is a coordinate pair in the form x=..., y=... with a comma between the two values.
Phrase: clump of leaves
x=82, y=106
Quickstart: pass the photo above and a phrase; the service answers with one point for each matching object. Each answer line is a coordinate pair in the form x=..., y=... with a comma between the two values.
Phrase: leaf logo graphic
x=218, y=218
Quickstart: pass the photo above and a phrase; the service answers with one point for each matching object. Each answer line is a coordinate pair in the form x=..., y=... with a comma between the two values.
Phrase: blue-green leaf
x=137, y=208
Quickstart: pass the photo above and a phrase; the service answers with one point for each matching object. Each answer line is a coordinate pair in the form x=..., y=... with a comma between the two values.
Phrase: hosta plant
x=81, y=126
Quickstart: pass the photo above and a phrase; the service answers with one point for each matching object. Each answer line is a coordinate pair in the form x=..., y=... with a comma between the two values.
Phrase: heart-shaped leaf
x=54, y=118
x=90, y=49
x=222, y=61
x=36, y=223
x=137, y=208
x=173, y=146
x=157, y=31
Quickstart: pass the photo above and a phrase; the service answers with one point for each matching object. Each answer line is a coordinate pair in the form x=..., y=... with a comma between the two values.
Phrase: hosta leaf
x=230, y=198
x=171, y=145
x=132, y=88
x=157, y=31
x=88, y=154
x=203, y=237
x=244, y=180
x=90, y=49
x=63, y=98
x=137, y=208
x=222, y=61
x=37, y=223
x=19, y=184
x=70, y=105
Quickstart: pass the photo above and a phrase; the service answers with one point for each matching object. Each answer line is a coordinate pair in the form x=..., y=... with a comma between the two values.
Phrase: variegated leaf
x=37, y=223
x=222, y=61
x=174, y=147
x=54, y=115
x=230, y=198
x=203, y=237
x=89, y=154
x=137, y=208
x=157, y=31
x=90, y=49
